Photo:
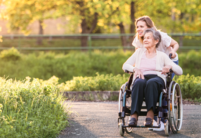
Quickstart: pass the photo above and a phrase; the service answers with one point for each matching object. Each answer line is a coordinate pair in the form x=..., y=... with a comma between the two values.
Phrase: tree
x=21, y=13
x=94, y=12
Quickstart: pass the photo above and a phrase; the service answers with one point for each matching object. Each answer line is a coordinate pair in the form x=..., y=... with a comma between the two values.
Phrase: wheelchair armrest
x=126, y=71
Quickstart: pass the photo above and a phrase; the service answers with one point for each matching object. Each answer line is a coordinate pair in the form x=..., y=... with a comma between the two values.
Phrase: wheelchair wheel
x=121, y=130
x=128, y=104
x=128, y=129
x=167, y=128
x=175, y=107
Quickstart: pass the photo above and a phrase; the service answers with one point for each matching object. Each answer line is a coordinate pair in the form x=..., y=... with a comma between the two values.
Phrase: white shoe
x=161, y=128
x=154, y=124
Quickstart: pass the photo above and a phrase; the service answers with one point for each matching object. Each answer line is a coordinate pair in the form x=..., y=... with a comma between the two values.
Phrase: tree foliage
x=21, y=13
x=91, y=15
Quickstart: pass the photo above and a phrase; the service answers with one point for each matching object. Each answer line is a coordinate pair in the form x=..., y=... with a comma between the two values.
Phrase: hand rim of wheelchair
x=175, y=123
x=127, y=129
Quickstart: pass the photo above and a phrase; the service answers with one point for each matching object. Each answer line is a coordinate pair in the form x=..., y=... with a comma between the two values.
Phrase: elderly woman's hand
x=166, y=69
x=138, y=73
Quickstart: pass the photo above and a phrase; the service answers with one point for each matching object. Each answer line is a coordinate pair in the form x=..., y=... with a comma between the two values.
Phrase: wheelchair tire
x=121, y=130
x=167, y=128
x=128, y=129
x=120, y=105
x=175, y=107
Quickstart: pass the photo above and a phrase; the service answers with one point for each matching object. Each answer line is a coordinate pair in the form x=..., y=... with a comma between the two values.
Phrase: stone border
x=98, y=96
x=92, y=95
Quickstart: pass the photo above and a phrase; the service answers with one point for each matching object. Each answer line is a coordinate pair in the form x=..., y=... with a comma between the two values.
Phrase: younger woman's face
x=140, y=27
x=149, y=40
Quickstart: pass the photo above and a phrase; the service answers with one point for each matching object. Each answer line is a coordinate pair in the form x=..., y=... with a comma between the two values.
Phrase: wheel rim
x=176, y=114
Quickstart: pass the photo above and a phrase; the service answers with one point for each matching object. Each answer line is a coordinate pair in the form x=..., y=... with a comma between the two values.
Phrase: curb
x=96, y=96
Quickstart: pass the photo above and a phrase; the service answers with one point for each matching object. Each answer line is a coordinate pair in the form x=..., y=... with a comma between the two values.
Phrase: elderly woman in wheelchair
x=150, y=71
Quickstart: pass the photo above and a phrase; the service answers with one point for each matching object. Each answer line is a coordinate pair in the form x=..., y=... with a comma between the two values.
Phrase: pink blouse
x=148, y=65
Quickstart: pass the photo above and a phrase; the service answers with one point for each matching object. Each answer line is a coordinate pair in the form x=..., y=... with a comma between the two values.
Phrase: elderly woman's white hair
x=155, y=33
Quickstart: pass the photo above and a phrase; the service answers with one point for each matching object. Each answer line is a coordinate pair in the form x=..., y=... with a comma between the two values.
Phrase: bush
x=65, y=67
x=96, y=83
x=10, y=54
x=190, y=86
x=31, y=109
x=190, y=62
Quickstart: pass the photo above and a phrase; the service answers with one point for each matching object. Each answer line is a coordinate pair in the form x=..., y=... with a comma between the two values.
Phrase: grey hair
x=156, y=35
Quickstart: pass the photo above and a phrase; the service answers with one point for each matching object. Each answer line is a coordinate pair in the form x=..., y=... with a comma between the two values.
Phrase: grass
x=70, y=42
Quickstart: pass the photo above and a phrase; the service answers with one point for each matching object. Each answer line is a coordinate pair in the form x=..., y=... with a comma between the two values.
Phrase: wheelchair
x=174, y=115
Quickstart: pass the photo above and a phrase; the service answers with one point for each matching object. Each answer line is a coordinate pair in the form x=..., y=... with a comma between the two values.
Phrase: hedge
x=66, y=66
x=189, y=84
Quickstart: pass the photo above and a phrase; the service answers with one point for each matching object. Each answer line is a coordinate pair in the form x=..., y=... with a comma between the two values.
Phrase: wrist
x=134, y=69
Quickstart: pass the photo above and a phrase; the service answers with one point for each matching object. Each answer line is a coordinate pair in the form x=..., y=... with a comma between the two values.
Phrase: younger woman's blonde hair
x=149, y=23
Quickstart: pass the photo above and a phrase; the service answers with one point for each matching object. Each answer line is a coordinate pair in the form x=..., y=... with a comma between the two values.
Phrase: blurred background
x=70, y=38
x=94, y=24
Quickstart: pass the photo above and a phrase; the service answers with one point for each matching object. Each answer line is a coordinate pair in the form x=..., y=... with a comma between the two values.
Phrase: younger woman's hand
x=138, y=73
x=173, y=53
x=166, y=69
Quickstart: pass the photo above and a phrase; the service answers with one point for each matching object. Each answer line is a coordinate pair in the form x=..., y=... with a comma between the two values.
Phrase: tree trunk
x=84, y=31
x=87, y=30
x=132, y=25
x=181, y=37
x=122, y=31
x=84, y=26
x=173, y=19
x=41, y=31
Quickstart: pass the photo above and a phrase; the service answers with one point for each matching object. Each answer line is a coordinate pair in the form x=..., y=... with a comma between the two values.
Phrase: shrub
x=190, y=86
x=96, y=83
x=10, y=54
x=31, y=109
x=65, y=67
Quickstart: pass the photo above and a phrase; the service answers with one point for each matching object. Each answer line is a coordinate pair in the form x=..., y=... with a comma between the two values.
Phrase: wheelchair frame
x=174, y=116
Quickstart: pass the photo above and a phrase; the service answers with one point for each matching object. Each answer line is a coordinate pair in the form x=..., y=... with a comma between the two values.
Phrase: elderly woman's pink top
x=148, y=65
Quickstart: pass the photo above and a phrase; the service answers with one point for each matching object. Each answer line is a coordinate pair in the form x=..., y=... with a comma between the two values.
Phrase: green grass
x=59, y=42
x=68, y=42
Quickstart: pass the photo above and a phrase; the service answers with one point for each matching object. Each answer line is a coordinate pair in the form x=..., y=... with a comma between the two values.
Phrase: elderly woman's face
x=149, y=40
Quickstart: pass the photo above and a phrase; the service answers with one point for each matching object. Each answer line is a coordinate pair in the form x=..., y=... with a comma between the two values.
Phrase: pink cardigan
x=161, y=60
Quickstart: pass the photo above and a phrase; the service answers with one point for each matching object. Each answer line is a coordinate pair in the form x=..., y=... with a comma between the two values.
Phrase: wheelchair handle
x=170, y=55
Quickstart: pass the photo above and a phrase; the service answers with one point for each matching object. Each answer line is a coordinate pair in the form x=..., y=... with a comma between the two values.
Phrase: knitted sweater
x=161, y=60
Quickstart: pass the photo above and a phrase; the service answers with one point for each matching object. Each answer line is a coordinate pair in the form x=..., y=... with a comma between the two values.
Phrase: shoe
x=154, y=124
x=132, y=122
x=161, y=128
x=148, y=122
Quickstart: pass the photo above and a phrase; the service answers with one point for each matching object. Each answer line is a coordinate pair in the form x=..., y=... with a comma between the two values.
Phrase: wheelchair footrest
x=145, y=126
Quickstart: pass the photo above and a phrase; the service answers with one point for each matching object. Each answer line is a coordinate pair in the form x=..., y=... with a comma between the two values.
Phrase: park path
x=99, y=120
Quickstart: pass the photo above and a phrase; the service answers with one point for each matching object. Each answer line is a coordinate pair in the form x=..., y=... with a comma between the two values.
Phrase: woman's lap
x=150, y=86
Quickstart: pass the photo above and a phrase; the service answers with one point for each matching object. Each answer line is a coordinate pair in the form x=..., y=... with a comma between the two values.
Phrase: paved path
x=99, y=120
